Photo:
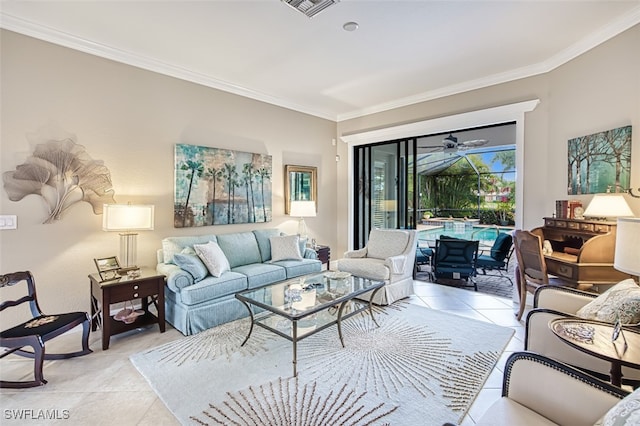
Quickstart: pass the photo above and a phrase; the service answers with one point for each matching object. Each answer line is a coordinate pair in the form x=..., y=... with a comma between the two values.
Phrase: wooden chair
x=531, y=271
x=38, y=330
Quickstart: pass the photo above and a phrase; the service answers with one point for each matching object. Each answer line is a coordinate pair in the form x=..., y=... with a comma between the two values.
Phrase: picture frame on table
x=108, y=267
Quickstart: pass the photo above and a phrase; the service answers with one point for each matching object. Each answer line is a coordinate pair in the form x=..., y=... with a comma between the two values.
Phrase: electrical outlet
x=8, y=221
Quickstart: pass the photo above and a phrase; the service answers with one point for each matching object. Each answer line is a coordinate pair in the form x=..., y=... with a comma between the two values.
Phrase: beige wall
x=131, y=119
x=596, y=91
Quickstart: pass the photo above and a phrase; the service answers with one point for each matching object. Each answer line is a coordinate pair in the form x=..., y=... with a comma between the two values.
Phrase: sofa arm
x=563, y=299
x=557, y=391
x=177, y=278
x=356, y=253
x=397, y=264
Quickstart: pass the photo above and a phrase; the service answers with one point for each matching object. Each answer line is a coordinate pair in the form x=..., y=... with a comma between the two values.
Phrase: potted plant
x=504, y=210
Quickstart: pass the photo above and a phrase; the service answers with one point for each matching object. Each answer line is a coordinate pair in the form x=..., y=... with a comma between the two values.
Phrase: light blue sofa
x=193, y=306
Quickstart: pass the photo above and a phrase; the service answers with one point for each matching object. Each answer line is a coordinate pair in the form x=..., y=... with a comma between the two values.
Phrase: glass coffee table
x=303, y=306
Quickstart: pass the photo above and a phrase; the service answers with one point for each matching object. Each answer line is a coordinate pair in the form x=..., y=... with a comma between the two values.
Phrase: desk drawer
x=561, y=270
x=133, y=290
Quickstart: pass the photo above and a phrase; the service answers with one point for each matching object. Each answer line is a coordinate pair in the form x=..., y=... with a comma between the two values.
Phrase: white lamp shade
x=303, y=208
x=627, y=257
x=604, y=205
x=127, y=217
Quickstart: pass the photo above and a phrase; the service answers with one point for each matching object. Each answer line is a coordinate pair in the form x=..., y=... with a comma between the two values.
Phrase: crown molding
x=71, y=41
x=51, y=35
x=591, y=41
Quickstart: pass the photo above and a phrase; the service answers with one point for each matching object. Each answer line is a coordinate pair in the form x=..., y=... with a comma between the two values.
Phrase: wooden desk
x=599, y=344
x=583, y=251
x=149, y=287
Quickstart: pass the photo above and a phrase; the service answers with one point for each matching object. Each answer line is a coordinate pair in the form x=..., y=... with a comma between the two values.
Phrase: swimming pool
x=485, y=234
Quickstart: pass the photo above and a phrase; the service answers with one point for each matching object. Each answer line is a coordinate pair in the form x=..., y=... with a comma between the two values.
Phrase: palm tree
x=230, y=174
x=248, y=171
x=215, y=175
x=195, y=168
x=263, y=173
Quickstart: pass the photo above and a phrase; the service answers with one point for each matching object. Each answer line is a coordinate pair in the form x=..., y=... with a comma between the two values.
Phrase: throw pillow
x=192, y=264
x=625, y=412
x=623, y=299
x=213, y=257
x=169, y=248
x=285, y=248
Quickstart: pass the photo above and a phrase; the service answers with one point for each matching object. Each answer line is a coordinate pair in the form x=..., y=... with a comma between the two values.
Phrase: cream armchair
x=389, y=256
x=551, y=302
x=537, y=390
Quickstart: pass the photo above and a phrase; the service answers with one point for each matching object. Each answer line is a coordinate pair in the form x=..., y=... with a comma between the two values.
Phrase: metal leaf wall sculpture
x=62, y=173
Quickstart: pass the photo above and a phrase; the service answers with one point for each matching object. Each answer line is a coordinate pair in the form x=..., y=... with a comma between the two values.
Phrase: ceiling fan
x=451, y=144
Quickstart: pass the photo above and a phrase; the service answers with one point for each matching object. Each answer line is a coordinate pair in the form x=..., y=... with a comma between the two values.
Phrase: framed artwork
x=108, y=267
x=216, y=186
x=600, y=162
x=300, y=184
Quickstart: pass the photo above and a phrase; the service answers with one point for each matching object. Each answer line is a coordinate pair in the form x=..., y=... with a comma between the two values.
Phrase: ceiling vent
x=310, y=7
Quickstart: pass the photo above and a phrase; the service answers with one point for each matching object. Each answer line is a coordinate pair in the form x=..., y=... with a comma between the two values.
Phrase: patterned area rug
x=420, y=366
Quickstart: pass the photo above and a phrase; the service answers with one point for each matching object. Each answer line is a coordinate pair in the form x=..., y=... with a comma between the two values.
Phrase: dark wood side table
x=148, y=287
x=324, y=254
x=577, y=333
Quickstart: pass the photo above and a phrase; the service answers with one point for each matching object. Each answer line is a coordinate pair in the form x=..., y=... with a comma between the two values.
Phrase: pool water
x=485, y=234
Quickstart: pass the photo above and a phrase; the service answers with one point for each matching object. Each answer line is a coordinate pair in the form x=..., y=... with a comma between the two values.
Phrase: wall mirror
x=300, y=184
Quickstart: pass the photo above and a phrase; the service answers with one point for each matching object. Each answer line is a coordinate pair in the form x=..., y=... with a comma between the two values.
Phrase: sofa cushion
x=285, y=248
x=213, y=257
x=385, y=243
x=262, y=237
x=192, y=264
x=241, y=248
x=624, y=413
x=296, y=268
x=212, y=288
x=622, y=299
x=506, y=411
x=259, y=274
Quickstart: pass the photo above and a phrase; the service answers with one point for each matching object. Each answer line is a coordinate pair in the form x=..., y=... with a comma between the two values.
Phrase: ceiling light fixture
x=350, y=26
x=310, y=7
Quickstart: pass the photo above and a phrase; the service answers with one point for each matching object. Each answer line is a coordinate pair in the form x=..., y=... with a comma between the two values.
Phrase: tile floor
x=105, y=389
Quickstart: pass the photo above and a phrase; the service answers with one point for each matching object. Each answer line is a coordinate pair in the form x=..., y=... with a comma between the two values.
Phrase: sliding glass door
x=384, y=174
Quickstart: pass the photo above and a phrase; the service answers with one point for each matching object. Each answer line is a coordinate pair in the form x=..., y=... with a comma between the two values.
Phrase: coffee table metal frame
x=288, y=312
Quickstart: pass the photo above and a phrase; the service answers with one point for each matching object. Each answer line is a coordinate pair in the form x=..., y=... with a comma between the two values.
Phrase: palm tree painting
x=600, y=162
x=216, y=186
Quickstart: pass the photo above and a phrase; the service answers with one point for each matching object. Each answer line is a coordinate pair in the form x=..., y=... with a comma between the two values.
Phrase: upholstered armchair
x=537, y=390
x=389, y=256
x=551, y=302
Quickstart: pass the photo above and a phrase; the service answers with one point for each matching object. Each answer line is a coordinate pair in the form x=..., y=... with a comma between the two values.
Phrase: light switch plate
x=9, y=221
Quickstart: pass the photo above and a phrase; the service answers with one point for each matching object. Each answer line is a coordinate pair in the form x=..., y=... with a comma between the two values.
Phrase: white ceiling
x=404, y=51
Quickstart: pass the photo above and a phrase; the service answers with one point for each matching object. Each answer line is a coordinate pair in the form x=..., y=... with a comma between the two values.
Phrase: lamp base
x=128, y=249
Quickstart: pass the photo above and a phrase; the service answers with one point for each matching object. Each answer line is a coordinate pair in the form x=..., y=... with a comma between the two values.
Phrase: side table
x=148, y=287
x=594, y=338
x=324, y=254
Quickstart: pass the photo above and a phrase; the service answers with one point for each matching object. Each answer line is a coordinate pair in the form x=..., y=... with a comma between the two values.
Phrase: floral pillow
x=213, y=257
x=624, y=413
x=623, y=300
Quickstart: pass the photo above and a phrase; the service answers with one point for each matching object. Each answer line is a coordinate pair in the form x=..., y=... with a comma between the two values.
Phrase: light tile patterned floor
x=105, y=389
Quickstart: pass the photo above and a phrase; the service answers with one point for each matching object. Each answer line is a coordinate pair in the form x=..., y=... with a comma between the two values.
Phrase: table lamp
x=627, y=251
x=127, y=218
x=603, y=206
x=302, y=209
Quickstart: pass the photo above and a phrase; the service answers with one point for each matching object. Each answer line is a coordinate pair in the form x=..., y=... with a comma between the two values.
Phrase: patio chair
x=423, y=256
x=456, y=259
x=37, y=330
x=498, y=258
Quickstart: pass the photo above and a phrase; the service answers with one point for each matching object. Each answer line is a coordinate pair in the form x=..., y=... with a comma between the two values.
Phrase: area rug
x=420, y=366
